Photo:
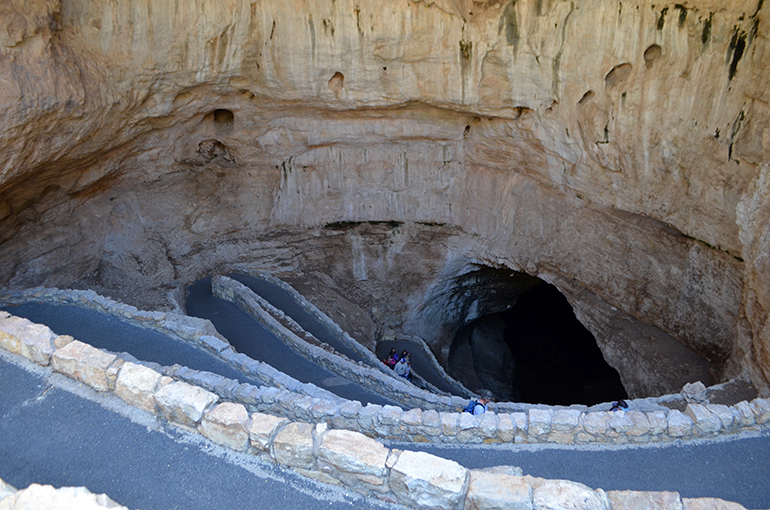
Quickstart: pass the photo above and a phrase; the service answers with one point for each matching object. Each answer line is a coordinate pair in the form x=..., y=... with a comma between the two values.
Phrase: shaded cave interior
x=520, y=340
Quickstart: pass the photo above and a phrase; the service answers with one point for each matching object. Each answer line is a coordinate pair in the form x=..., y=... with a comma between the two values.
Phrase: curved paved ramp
x=248, y=336
x=419, y=361
x=51, y=436
x=108, y=332
x=734, y=469
x=282, y=300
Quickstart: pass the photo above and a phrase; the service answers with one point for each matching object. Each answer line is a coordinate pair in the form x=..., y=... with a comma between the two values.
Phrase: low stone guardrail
x=520, y=423
x=336, y=456
x=195, y=331
x=352, y=343
x=382, y=381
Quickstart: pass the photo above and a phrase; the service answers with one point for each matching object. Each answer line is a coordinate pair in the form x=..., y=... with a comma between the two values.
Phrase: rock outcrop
x=618, y=150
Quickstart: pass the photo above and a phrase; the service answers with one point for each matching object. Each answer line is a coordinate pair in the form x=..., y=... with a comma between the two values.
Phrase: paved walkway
x=50, y=435
x=127, y=460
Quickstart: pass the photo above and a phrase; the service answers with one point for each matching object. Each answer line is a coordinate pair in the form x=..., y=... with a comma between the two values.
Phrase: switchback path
x=56, y=431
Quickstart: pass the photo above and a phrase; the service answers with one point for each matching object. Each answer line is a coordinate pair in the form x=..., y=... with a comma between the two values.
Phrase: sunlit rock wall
x=619, y=150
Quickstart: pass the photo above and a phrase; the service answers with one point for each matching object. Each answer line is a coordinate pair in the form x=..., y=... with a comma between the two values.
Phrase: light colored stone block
x=428, y=482
x=354, y=453
x=136, y=385
x=620, y=422
x=539, y=422
x=450, y=423
x=596, y=423
x=293, y=446
x=227, y=424
x=709, y=504
x=658, y=422
x=263, y=429
x=367, y=417
x=564, y=495
x=725, y=414
x=491, y=491
x=389, y=415
x=33, y=341
x=761, y=408
x=746, y=416
x=636, y=500
x=506, y=428
x=565, y=420
x=66, y=498
x=412, y=417
x=679, y=424
x=705, y=421
x=84, y=363
x=183, y=403
x=640, y=423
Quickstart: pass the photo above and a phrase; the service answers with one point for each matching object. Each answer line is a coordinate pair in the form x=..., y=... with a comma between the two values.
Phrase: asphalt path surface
x=55, y=431
x=250, y=337
x=282, y=300
x=734, y=469
x=113, y=334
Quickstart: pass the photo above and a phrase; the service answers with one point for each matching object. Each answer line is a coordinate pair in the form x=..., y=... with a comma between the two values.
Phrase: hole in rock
x=650, y=54
x=617, y=74
x=532, y=349
x=223, y=120
x=337, y=82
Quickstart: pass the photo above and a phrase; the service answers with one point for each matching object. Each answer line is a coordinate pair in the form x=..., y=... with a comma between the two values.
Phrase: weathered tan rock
x=492, y=491
x=705, y=421
x=564, y=495
x=227, y=424
x=66, y=498
x=183, y=403
x=33, y=341
x=84, y=363
x=709, y=504
x=293, y=446
x=353, y=452
x=628, y=162
x=425, y=481
x=263, y=429
x=136, y=385
x=636, y=500
x=679, y=424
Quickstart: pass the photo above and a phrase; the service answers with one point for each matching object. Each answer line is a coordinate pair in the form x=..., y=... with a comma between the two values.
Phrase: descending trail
x=250, y=337
x=279, y=298
x=158, y=467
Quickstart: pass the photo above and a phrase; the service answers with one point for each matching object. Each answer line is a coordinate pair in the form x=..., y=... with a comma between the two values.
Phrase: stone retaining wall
x=382, y=381
x=337, y=456
x=345, y=338
x=284, y=396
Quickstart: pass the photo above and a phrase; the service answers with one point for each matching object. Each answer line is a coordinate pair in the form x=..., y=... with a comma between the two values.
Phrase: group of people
x=400, y=363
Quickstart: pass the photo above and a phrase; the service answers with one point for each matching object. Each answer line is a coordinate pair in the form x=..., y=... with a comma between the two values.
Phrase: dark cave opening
x=557, y=360
x=528, y=346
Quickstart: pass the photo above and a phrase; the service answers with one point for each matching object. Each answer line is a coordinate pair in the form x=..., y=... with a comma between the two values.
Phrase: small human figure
x=392, y=358
x=403, y=368
x=477, y=407
x=620, y=405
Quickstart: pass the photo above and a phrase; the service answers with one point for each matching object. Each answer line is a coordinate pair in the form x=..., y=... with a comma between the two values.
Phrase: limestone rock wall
x=614, y=148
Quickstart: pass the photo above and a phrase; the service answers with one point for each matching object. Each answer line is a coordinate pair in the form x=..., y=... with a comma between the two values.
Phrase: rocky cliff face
x=619, y=150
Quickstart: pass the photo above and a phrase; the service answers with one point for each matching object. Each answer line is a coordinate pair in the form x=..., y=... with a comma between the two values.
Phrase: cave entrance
x=531, y=348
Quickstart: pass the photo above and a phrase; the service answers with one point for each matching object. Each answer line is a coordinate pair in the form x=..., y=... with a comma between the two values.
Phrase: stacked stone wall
x=348, y=457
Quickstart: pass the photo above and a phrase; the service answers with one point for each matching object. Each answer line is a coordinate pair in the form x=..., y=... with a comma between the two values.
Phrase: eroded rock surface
x=619, y=152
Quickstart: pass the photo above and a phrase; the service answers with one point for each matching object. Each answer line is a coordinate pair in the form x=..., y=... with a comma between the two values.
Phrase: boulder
x=425, y=481
x=227, y=424
x=293, y=446
x=565, y=495
x=183, y=403
x=136, y=385
x=636, y=500
x=84, y=363
x=33, y=341
x=263, y=429
x=66, y=498
x=497, y=491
